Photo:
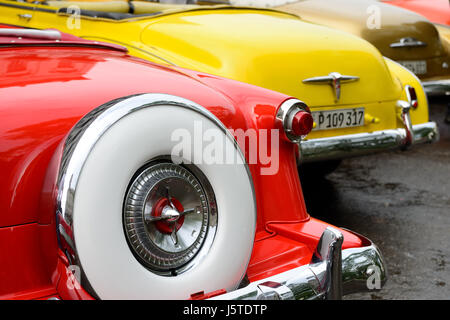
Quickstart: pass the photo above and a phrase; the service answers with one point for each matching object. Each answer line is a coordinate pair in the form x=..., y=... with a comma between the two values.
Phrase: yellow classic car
x=361, y=102
x=444, y=32
x=399, y=34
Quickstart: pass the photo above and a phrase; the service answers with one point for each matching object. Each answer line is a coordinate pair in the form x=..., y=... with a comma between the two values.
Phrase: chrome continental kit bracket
x=331, y=273
x=326, y=263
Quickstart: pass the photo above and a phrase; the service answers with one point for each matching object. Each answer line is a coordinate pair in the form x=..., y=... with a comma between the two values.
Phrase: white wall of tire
x=109, y=265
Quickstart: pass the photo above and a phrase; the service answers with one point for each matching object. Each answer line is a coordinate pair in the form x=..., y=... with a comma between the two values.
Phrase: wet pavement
x=401, y=201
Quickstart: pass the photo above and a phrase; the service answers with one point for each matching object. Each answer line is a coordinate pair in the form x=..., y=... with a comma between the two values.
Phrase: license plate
x=417, y=67
x=342, y=118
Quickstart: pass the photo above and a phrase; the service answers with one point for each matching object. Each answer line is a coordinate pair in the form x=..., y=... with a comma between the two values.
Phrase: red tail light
x=302, y=123
x=412, y=96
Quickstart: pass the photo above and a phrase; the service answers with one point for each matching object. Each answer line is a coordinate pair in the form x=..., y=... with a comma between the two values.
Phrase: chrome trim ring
x=169, y=245
x=284, y=116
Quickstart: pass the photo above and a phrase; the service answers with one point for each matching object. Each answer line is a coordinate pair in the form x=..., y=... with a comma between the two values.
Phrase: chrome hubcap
x=169, y=217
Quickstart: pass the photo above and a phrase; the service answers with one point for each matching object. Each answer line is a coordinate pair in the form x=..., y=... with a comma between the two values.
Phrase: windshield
x=116, y=9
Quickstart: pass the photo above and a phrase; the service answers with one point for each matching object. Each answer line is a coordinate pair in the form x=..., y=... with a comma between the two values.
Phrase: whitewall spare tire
x=141, y=226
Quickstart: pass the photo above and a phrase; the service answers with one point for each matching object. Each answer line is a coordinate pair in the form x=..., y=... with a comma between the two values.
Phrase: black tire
x=447, y=116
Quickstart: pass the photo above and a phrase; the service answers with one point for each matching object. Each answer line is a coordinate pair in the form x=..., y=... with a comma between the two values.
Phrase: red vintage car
x=437, y=11
x=99, y=199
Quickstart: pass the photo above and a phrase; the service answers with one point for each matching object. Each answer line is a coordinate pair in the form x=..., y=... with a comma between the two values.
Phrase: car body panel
x=46, y=87
x=218, y=40
x=444, y=32
x=358, y=17
x=239, y=55
x=27, y=148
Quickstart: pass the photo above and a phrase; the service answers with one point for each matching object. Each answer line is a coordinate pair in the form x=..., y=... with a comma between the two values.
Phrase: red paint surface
x=167, y=226
x=45, y=91
x=287, y=245
x=437, y=11
x=23, y=272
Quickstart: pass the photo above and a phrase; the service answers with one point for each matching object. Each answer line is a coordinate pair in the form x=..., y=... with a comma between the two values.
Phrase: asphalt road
x=401, y=201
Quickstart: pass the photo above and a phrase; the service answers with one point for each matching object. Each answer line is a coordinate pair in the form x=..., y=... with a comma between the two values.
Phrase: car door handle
x=25, y=16
x=408, y=42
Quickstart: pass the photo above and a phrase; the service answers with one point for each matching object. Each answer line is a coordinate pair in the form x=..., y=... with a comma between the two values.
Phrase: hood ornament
x=408, y=42
x=334, y=79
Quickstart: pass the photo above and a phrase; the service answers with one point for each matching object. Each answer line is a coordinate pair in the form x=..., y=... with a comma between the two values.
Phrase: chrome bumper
x=366, y=143
x=331, y=273
x=437, y=87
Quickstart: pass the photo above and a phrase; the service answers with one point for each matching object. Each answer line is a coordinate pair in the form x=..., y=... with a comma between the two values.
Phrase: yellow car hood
x=273, y=50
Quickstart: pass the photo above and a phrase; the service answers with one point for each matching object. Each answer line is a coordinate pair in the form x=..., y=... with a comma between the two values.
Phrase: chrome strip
x=29, y=7
x=334, y=79
x=31, y=33
x=364, y=143
x=325, y=279
x=83, y=137
x=276, y=291
x=408, y=42
x=437, y=87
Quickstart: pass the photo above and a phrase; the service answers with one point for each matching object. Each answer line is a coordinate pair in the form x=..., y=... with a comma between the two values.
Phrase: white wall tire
x=102, y=250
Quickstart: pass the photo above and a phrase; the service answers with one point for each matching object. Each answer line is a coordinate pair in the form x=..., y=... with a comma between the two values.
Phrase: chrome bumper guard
x=437, y=87
x=331, y=273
